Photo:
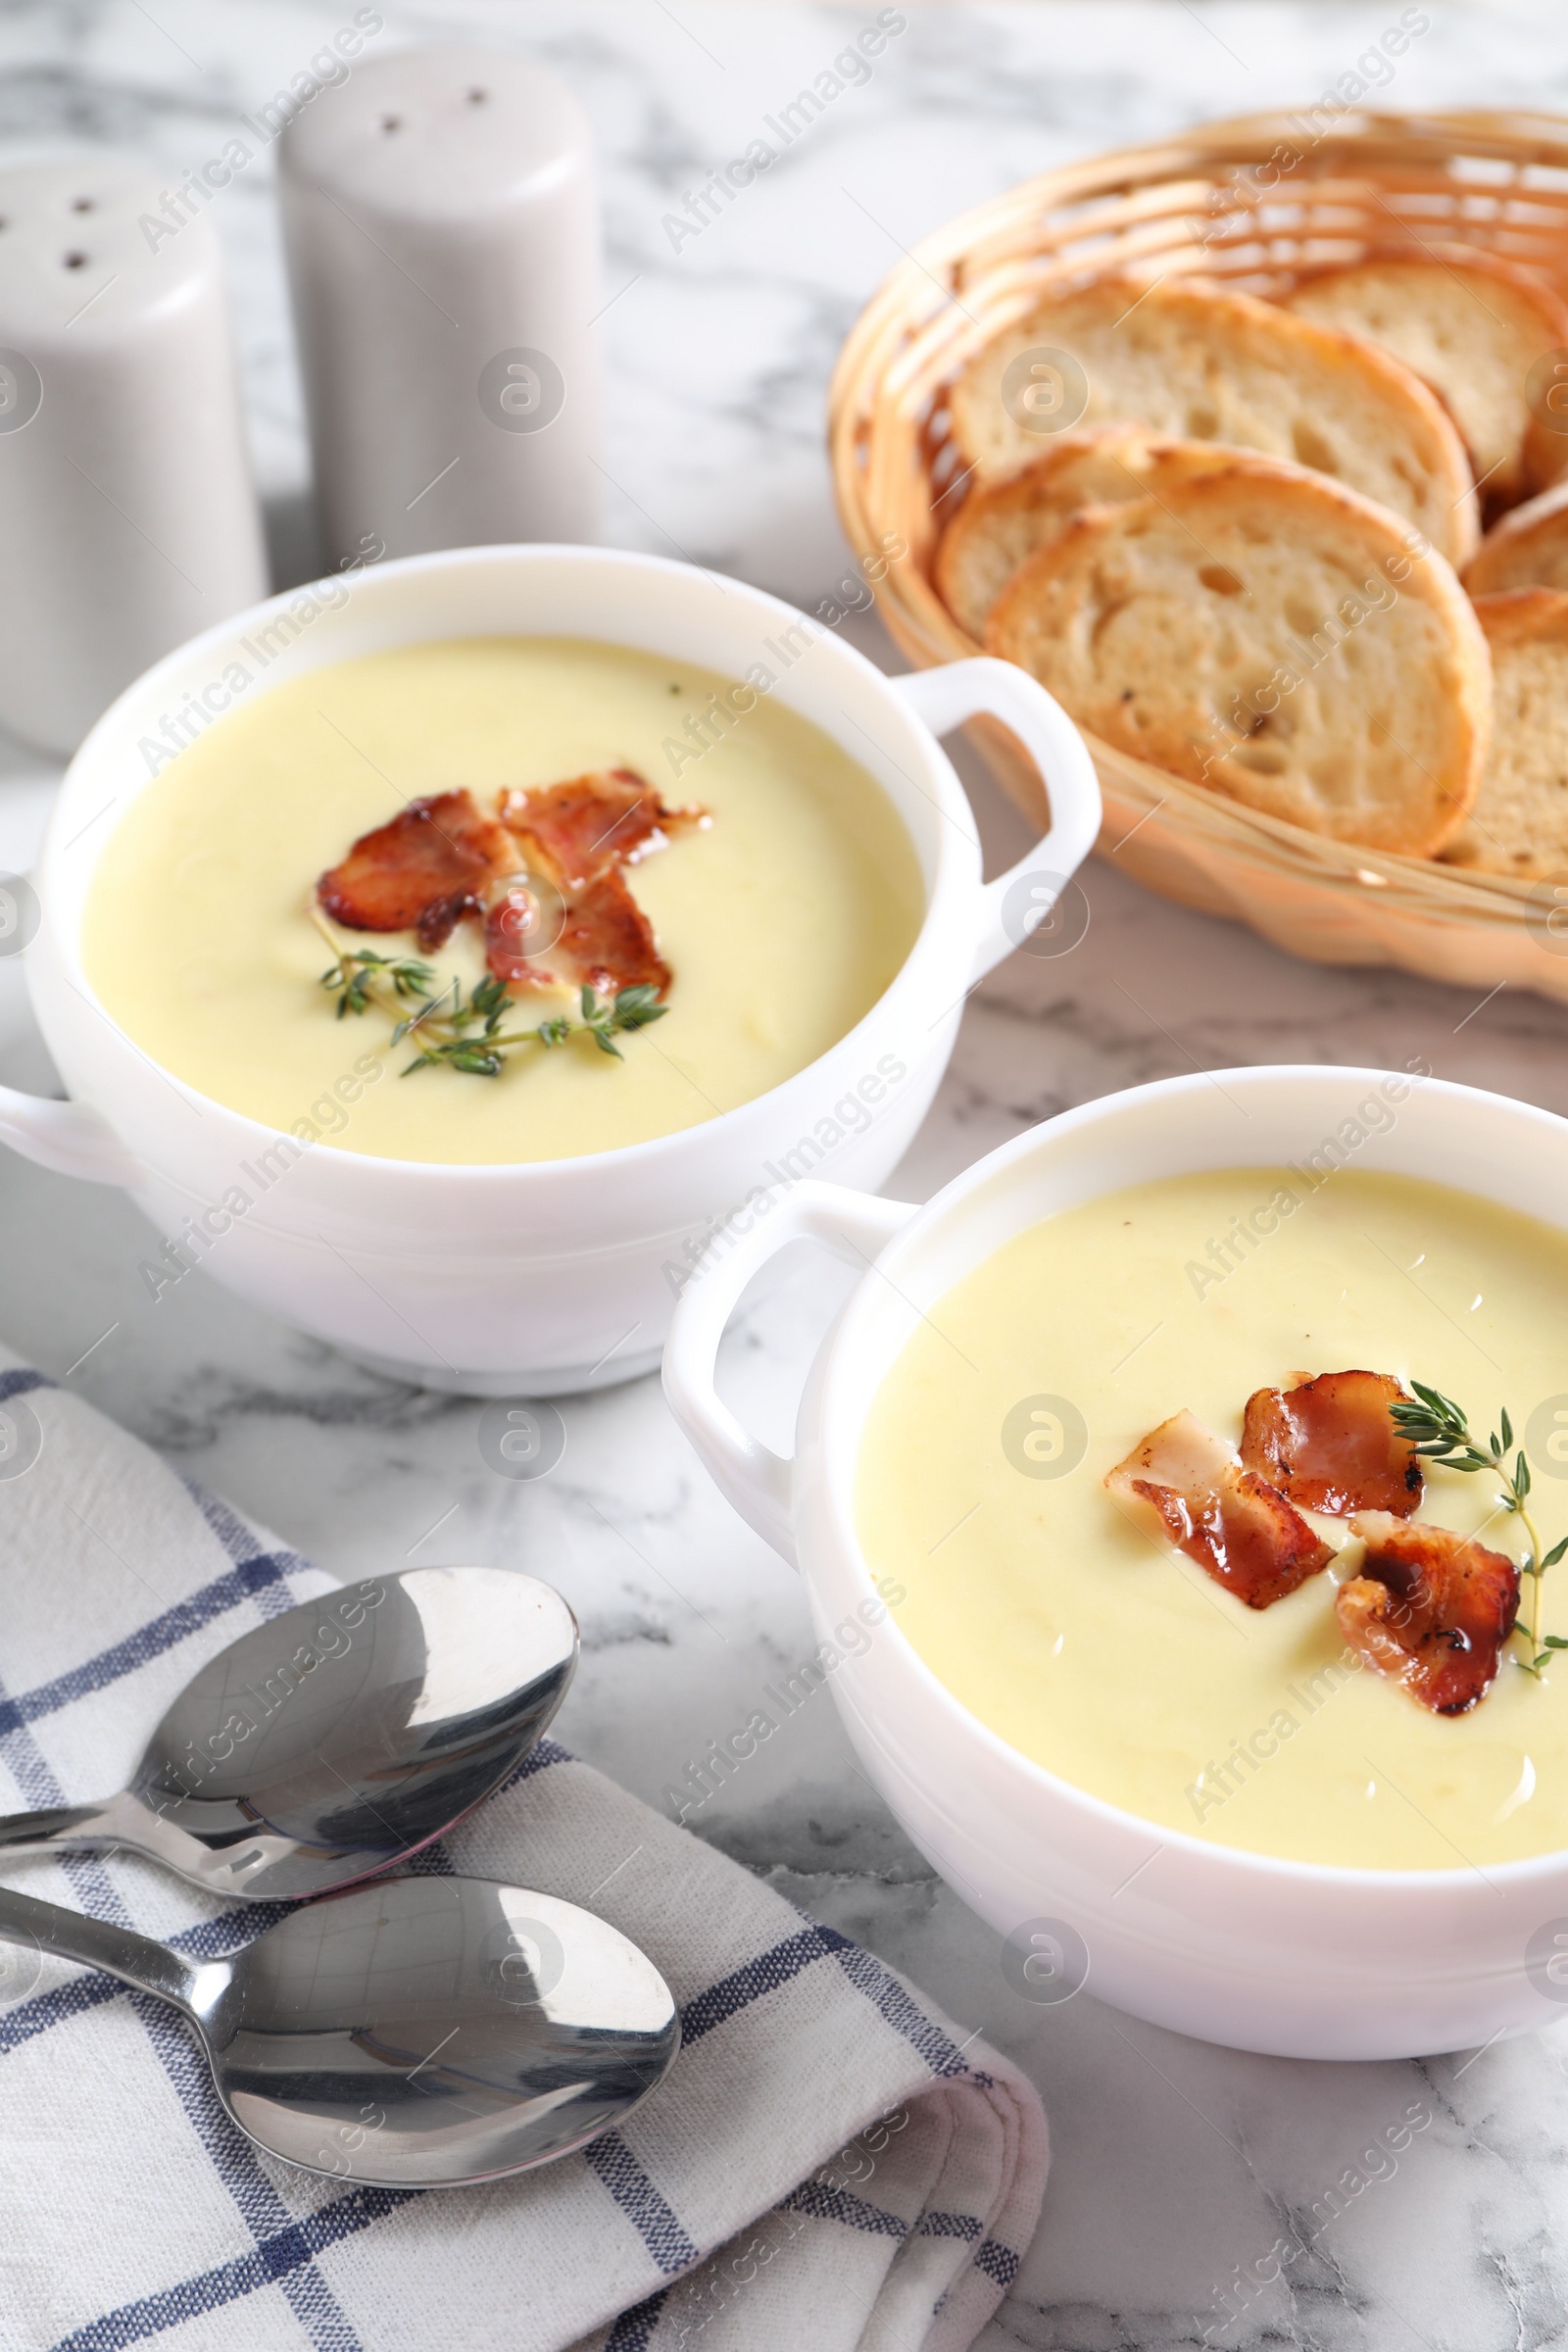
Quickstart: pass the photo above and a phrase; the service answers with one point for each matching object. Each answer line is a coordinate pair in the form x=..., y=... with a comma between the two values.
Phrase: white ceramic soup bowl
x=525, y=1278
x=1289, y=1957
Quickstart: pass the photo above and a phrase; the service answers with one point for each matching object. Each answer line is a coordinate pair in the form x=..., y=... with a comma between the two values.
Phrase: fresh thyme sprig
x=454, y=1038
x=356, y=976
x=467, y=1032
x=1439, y=1432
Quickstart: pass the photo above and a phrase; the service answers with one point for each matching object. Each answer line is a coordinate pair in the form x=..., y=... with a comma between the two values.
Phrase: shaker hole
x=391, y=121
x=75, y=261
x=477, y=97
x=81, y=204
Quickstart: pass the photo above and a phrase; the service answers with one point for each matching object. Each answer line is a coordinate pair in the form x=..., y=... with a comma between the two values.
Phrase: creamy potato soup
x=1091, y=1643
x=780, y=919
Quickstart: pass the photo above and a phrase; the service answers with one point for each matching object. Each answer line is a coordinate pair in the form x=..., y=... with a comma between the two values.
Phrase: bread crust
x=1002, y=523
x=1519, y=824
x=1198, y=362
x=1470, y=325
x=1523, y=616
x=1265, y=632
x=1527, y=549
x=1546, y=455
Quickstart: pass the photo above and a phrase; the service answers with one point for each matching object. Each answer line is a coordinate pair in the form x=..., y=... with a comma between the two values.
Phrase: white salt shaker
x=440, y=211
x=127, y=515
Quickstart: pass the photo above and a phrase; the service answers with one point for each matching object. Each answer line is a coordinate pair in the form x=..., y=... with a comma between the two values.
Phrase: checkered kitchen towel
x=825, y=2167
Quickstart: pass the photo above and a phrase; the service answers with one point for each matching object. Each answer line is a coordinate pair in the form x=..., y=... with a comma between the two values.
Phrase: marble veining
x=1199, y=2197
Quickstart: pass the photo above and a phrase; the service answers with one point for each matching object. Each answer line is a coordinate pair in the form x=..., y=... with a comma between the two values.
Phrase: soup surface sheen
x=1119, y=1664
x=784, y=920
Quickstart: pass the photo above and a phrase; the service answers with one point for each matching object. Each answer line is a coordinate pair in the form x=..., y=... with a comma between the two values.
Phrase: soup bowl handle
x=68, y=1138
x=757, y=1481
x=1017, y=901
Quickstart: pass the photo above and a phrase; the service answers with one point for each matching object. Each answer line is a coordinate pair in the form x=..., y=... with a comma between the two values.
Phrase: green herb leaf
x=1439, y=1431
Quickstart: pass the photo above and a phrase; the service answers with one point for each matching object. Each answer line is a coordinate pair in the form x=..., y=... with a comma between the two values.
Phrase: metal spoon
x=419, y=2032
x=339, y=1738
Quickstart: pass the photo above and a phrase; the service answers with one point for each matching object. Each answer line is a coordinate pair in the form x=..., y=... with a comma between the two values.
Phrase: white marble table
x=1175, y=2164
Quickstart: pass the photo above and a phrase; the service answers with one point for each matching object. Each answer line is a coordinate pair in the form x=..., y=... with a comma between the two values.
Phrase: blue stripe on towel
x=240, y=1541
x=887, y=1995
x=633, y=2331
x=53, y=2007
x=775, y=1967
x=22, y=1382
x=640, y=2201
x=824, y=2204
x=999, y=2262
x=276, y=2259
x=754, y=1978
x=538, y=1759
x=256, y=1575
x=949, y=2224
x=249, y=1580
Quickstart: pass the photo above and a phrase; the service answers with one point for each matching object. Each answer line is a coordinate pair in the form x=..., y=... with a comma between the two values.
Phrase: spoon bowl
x=339, y=1738
x=421, y=2032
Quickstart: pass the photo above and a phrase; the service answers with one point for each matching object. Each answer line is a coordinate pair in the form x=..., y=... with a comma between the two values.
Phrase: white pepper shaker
x=440, y=212
x=127, y=514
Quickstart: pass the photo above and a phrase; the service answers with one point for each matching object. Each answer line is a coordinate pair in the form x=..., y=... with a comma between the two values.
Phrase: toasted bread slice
x=1547, y=434
x=1519, y=824
x=1266, y=632
x=1001, y=524
x=1200, y=364
x=1470, y=326
x=1527, y=549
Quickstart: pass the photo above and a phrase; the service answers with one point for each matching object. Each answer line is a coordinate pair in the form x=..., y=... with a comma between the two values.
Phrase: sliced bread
x=1519, y=824
x=1266, y=632
x=1202, y=363
x=1471, y=327
x=1001, y=524
x=1527, y=549
x=1546, y=434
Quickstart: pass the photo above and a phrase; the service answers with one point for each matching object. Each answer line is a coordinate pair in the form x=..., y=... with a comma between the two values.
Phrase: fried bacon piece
x=609, y=940
x=558, y=847
x=582, y=828
x=1330, y=1445
x=1430, y=1608
x=602, y=938
x=579, y=835
x=423, y=871
x=1233, y=1523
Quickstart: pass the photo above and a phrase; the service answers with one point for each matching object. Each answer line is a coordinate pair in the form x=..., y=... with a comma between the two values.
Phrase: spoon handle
x=97, y=1943
x=60, y=1826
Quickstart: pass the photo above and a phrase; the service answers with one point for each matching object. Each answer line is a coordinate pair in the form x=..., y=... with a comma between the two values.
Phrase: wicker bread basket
x=1226, y=200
